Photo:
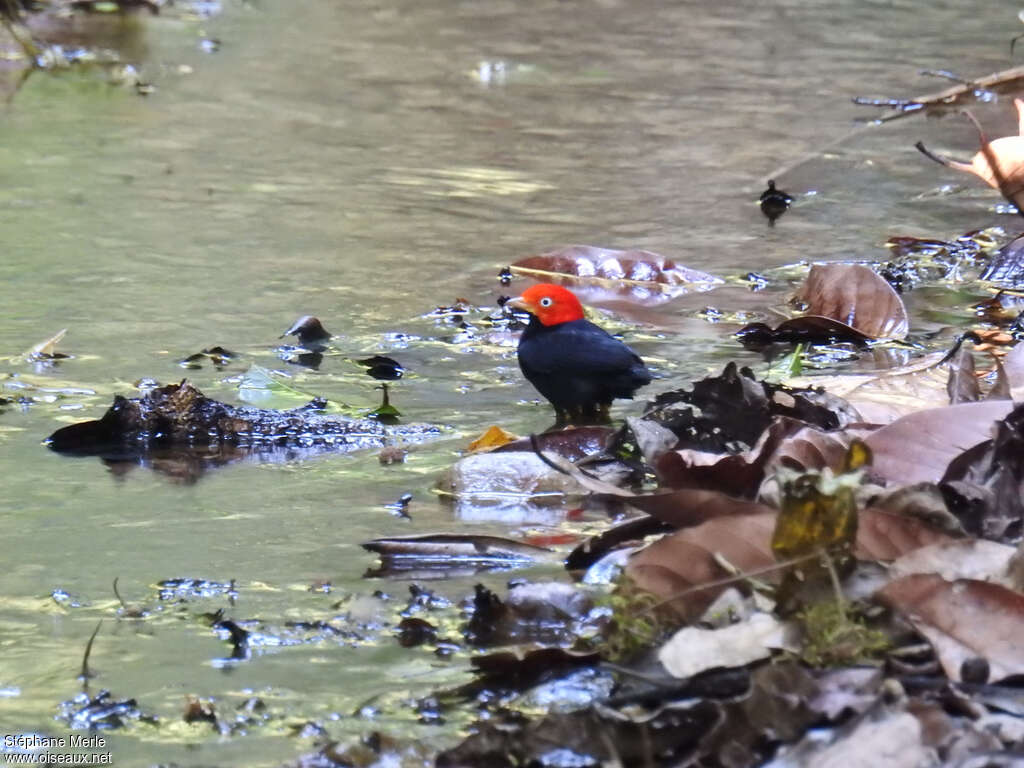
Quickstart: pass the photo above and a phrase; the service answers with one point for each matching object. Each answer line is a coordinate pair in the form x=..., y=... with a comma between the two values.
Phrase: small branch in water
x=86, y=674
x=535, y=444
x=931, y=155
x=117, y=594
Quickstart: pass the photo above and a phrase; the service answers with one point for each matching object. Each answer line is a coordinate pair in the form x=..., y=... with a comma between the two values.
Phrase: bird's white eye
x=546, y=301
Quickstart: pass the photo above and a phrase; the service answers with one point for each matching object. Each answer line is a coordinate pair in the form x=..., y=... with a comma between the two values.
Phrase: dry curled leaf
x=999, y=163
x=853, y=294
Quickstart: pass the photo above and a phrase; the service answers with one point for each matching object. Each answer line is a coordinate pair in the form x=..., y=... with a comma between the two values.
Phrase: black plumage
x=579, y=367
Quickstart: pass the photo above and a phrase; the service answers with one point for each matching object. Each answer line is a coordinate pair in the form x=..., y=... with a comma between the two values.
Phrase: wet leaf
x=261, y=385
x=639, y=276
x=729, y=413
x=963, y=619
x=808, y=329
x=493, y=437
x=962, y=384
x=630, y=532
x=439, y=550
x=385, y=413
x=572, y=443
x=652, y=439
x=692, y=650
x=883, y=398
x=737, y=474
x=1007, y=266
x=855, y=295
x=587, y=737
x=918, y=447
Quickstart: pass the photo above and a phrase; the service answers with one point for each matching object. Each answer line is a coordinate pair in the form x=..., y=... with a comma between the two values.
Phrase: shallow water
x=367, y=162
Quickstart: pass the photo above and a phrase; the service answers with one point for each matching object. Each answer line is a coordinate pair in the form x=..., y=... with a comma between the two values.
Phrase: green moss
x=836, y=634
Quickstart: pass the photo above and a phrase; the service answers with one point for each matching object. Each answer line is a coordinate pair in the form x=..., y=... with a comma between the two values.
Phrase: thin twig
x=86, y=674
x=117, y=594
x=730, y=580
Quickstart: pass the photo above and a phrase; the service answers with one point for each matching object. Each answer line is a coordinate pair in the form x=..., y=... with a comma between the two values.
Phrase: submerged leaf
x=638, y=276
x=260, y=385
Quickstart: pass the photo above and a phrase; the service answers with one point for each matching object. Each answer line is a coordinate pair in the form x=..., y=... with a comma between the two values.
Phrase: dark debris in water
x=217, y=355
x=187, y=588
x=101, y=712
x=915, y=261
x=382, y=368
x=176, y=429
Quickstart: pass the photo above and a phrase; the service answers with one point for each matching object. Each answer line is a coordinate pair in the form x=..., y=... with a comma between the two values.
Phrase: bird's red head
x=551, y=304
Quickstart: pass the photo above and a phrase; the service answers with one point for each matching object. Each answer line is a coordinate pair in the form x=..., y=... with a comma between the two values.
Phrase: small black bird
x=578, y=367
x=774, y=202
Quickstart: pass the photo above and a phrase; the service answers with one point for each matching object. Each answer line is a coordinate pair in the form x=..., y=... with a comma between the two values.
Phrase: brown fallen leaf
x=881, y=398
x=919, y=446
x=855, y=295
x=962, y=383
x=683, y=567
x=963, y=619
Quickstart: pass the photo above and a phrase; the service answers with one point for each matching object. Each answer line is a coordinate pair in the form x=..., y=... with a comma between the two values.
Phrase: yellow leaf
x=493, y=437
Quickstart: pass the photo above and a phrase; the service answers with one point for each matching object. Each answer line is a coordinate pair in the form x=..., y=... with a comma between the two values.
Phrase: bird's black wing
x=579, y=347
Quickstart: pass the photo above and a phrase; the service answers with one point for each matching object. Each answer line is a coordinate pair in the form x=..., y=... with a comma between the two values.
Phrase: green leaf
x=788, y=366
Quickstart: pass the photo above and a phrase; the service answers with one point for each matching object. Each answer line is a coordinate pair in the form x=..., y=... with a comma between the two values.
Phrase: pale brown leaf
x=919, y=446
x=855, y=295
x=693, y=557
x=963, y=619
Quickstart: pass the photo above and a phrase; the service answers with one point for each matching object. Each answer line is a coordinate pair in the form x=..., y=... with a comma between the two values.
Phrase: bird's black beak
x=520, y=303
